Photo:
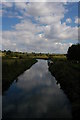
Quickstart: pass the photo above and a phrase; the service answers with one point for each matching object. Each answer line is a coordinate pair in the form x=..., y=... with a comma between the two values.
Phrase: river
x=36, y=94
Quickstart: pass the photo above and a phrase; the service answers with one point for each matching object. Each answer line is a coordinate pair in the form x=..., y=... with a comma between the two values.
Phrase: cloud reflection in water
x=36, y=95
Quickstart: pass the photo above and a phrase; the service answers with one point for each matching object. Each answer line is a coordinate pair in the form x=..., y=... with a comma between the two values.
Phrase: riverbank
x=12, y=68
x=67, y=73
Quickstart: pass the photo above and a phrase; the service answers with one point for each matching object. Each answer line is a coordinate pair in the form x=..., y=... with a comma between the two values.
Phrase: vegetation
x=66, y=69
x=12, y=67
x=67, y=73
x=24, y=55
x=74, y=52
x=14, y=63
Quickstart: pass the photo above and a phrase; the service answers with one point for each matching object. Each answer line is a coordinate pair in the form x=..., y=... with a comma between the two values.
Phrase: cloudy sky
x=49, y=27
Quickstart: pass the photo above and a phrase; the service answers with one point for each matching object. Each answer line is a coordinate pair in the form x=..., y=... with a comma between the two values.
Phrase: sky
x=49, y=27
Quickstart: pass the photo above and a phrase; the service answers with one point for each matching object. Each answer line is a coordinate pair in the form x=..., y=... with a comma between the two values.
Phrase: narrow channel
x=35, y=94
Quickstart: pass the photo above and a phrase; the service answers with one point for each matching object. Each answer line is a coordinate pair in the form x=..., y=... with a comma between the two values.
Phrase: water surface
x=35, y=94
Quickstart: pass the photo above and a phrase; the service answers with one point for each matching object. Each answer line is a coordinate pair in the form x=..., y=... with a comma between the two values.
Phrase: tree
x=8, y=52
x=74, y=52
x=4, y=51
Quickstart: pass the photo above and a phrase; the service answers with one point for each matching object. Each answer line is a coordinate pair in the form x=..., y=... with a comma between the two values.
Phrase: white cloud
x=24, y=41
x=27, y=39
x=68, y=20
x=20, y=5
x=59, y=32
x=47, y=11
x=27, y=26
x=35, y=36
x=77, y=20
x=42, y=9
x=65, y=1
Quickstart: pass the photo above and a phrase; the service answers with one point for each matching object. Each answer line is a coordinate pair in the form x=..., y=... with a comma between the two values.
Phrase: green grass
x=67, y=73
x=12, y=68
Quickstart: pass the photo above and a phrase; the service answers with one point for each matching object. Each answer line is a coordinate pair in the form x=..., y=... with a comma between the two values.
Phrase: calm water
x=35, y=94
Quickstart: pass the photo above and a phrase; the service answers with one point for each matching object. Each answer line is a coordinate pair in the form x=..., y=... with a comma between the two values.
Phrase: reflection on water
x=35, y=94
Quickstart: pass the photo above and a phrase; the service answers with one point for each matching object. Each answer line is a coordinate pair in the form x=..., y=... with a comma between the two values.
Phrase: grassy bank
x=12, y=68
x=67, y=73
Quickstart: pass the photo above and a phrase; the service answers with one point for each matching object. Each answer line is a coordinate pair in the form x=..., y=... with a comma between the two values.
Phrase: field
x=67, y=73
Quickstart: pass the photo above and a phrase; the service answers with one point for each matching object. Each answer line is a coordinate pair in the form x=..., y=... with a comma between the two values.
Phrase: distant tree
x=33, y=53
x=8, y=52
x=74, y=52
x=4, y=51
